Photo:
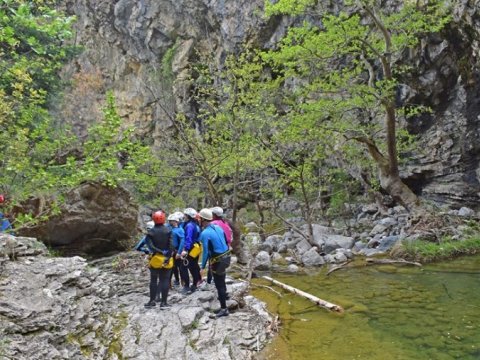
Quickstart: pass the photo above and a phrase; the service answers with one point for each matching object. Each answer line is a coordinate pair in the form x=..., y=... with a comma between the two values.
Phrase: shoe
x=164, y=305
x=150, y=304
x=206, y=287
x=185, y=290
x=222, y=312
x=176, y=283
x=193, y=288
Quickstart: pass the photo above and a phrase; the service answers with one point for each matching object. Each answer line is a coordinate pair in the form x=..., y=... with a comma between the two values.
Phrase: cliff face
x=141, y=50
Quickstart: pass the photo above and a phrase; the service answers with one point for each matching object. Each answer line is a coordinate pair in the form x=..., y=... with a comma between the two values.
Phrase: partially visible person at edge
x=192, y=233
x=216, y=250
x=159, y=239
x=142, y=243
x=5, y=224
x=219, y=220
x=178, y=240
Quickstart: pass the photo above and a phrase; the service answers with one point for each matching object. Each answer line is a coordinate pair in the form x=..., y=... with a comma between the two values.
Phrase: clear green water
x=391, y=312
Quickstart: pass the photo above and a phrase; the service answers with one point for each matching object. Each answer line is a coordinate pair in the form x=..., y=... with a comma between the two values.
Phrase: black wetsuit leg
x=154, y=279
x=164, y=285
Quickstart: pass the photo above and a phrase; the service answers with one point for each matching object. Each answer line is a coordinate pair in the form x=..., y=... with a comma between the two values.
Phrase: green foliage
x=167, y=61
x=38, y=158
x=31, y=53
x=112, y=155
x=428, y=251
x=341, y=79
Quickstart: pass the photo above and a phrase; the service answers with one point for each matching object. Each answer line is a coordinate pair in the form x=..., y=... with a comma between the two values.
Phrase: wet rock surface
x=67, y=308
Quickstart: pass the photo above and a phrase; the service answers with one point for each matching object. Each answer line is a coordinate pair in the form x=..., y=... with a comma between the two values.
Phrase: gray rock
x=387, y=243
x=292, y=268
x=95, y=219
x=303, y=246
x=359, y=245
x=312, y=258
x=262, y=261
x=466, y=212
x=333, y=242
x=75, y=311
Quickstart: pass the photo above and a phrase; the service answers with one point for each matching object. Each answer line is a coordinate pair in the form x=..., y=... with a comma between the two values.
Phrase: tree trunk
x=391, y=182
x=322, y=303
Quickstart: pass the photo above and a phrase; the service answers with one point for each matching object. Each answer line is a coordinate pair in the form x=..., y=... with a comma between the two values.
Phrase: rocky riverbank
x=370, y=232
x=68, y=308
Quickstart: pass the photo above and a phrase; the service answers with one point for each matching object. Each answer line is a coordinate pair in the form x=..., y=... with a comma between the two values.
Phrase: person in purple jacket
x=192, y=233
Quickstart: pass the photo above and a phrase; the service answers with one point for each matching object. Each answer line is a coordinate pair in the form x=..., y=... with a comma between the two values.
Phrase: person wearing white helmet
x=178, y=240
x=216, y=250
x=190, y=252
x=218, y=219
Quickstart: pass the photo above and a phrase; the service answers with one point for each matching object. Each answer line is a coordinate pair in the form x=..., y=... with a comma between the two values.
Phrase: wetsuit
x=178, y=240
x=216, y=250
x=192, y=232
x=159, y=239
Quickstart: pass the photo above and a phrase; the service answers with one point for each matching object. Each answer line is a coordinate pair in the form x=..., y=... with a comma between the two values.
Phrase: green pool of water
x=391, y=312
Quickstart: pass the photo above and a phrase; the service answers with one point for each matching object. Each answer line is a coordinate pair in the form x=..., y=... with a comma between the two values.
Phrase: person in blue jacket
x=178, y=241
x=5, y=224
x=216, y=250
x=142, y=243
x=192, y=233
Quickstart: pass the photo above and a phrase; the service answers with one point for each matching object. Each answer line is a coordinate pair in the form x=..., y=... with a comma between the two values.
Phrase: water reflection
x=390, y=313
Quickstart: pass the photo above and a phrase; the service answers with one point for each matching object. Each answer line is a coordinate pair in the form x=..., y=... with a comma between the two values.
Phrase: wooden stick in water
x=325, y=304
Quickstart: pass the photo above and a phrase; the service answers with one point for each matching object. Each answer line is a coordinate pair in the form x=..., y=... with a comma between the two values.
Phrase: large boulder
x=94, y=220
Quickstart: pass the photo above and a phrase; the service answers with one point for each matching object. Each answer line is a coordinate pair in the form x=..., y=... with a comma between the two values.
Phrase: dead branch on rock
x=322, y=303
x=338, y=267
x=392, y=261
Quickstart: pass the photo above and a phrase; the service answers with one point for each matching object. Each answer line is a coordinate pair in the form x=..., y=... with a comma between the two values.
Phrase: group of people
x=183, y=248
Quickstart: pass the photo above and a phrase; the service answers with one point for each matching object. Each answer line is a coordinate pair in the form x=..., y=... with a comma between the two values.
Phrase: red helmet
x=158, y=217
x=2, y=198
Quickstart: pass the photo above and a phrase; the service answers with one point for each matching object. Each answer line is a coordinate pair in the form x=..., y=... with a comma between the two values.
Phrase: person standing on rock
x=178, y=241
x=216, y=250
x=191, y=251
x=218, y=219
x=159, y=240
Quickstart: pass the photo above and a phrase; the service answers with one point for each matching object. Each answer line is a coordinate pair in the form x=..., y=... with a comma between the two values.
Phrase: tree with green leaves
x=346, y=74
x=32, y=51
x=38, y=158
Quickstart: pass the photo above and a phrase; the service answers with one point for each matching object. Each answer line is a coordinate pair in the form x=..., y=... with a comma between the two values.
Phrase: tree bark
x=322, y=303
x=391, y=182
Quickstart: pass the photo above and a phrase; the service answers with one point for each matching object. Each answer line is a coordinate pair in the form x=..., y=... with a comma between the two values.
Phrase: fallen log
x=392, y=261
x=325, y=304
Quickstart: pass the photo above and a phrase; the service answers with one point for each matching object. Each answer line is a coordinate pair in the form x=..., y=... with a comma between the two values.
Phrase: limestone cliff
x=141, y=50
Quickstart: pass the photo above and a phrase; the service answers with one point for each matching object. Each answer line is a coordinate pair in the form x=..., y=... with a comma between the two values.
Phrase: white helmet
x=217, y=210
x=150, y=225
x=179, y=216
x=190, y=212
x=206, y=214
x=172, y=217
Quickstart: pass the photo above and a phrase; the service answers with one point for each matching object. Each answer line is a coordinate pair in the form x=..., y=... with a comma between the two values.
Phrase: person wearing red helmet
x=159, y=240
